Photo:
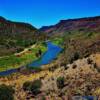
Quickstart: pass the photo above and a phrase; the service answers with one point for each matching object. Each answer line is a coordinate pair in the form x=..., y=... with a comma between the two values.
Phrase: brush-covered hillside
x=56, y=82
x=15, y=36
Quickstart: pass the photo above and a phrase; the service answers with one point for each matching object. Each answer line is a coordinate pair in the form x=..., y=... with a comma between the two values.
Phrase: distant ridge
x=89, y=23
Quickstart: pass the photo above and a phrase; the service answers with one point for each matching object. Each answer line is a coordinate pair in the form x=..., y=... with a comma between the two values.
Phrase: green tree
x=76, y=56
x=27, y=86
x=35, y=87
x=6, y=92
x=60, y=82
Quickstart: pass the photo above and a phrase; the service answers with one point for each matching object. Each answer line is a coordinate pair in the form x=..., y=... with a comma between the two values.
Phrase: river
x=51, y=53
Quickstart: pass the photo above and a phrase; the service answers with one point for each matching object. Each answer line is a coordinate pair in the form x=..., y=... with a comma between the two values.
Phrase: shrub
x=52, y=69
x=74, y=66
x=19, y=50
x=35, y=69
x=6, y=92
x=90, y=34
x=96, y=67
x=81, y=29
x=66, y=67
x=27, y=86
x=76, y=56
x=89, y=61
x=43, y=98
x=70, y=60
x=60, y=82
x=35, y=87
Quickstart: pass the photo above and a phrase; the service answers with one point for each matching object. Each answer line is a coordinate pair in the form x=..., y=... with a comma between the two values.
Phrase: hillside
x=60, y=82
x=15, y=36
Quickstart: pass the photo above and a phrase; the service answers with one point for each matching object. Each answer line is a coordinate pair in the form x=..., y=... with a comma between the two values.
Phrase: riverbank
x=42, y=59
x=51, y=54
x=21, y=59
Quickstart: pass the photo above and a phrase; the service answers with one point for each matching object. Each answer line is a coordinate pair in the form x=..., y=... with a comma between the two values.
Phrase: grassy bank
x=57, y=41
x=21, y=59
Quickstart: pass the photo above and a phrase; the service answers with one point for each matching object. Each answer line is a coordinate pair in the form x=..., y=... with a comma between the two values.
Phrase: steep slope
x=14, y=36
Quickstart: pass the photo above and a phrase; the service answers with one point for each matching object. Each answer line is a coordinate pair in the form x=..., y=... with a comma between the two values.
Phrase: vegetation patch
x=21, y=59
x=6, y=92
x=33, y=87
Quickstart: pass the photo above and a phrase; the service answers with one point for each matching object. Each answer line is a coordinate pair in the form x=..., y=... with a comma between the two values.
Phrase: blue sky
x=47, y=12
